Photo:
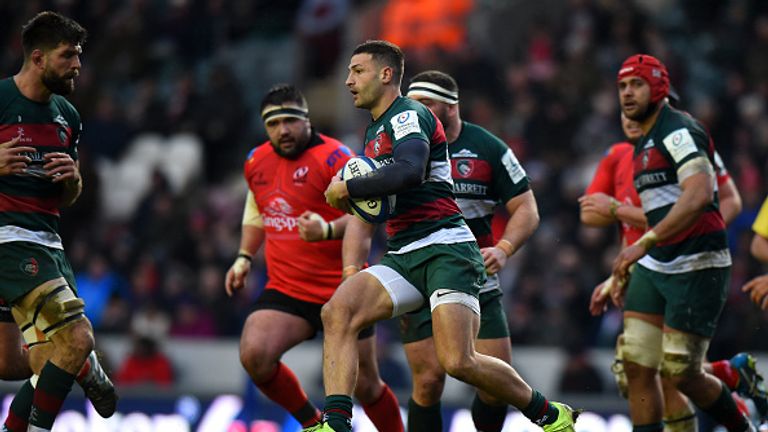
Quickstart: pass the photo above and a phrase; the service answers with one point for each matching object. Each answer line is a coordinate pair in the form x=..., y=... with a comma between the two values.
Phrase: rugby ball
x=371, y=210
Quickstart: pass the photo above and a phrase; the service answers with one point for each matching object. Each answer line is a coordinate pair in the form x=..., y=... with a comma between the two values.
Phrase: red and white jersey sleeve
x=283, y=190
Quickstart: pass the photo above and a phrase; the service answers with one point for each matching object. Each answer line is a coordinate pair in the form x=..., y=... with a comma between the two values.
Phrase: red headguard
x=651, y=70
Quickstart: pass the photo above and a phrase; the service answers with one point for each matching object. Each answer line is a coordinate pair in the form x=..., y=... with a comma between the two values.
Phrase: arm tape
x=251, y=215
x=696, y=165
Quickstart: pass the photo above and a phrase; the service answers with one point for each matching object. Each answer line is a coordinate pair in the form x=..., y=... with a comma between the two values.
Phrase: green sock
x=488, y=418
x=539, y=410
x=426, y=419
x=338, y=412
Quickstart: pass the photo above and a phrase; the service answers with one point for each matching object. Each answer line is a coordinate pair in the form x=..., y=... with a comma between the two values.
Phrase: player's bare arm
x=13, y=158
x=730, y=201
x=251, y=238
x=356, y=246
x=697, y=193
x=523, y=221
x=757, y=288
x=600, y=209
x=759, y=248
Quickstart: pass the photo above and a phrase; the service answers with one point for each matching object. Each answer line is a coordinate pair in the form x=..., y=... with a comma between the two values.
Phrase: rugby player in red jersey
x=286, y=212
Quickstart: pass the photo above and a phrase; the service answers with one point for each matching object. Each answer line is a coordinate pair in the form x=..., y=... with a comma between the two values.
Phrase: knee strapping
x=642, y=343
x=683, y=354
x=52, y=308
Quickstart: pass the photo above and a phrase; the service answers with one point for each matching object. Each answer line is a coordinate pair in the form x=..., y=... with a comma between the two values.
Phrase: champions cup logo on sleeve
x=405, y=123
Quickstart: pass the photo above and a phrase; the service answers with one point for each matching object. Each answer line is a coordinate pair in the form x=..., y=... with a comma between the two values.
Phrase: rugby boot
x=566, y=419
x=98, y=388
x=751, y=383
x=320, y=427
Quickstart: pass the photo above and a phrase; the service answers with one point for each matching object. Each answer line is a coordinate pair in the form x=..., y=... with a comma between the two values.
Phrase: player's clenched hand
x=598, y=303
x=236, y=275
x=312, y=226
x=61, y=167
x=758, y=291
x=12, y=158
x=494, y=259
x=597, y=202
x=337, y=195
x=628, y=256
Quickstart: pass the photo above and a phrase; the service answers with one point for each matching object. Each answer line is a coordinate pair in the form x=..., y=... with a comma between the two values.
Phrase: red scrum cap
x=651, y=70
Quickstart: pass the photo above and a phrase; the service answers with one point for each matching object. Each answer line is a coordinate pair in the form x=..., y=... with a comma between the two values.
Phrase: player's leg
x=378, y=400
x=642, y=349
x=427, y=376
x=428, y=382
x=455, y=276
x=271, y=330
x=682, y=365
x=488, y=412
x=694, y=302
x=372, y=295
x=455, y=326
x=14, y=358
x=679, y=415
x=51, y=312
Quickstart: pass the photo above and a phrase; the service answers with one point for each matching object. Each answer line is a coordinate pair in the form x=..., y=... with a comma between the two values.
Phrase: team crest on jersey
x=60, y=120
x=300, y=175
x=465, y=167
x=62, y=133
x=279, y=206
x=646, y=158
x=29, y=266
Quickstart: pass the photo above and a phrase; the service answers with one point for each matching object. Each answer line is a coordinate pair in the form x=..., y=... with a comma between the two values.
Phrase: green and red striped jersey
x=485, y=174
x=29, y=203
x=675, y=139
x=426, y=214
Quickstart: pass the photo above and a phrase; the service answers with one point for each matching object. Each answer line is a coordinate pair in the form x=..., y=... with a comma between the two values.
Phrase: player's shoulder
x=619, y=149
x=674, y=121
x=405, y=109
x=9, y=93
x=482, y=137
x=259, y=152
x=65, y=107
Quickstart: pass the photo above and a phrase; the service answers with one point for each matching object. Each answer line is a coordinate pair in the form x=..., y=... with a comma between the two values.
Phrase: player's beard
x=58, y=84
x=642, y=116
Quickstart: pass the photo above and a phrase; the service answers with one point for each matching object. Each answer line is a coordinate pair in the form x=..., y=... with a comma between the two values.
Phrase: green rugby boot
x=566, y=418
x=320, y=427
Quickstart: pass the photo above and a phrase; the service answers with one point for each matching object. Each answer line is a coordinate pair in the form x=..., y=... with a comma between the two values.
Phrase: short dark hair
x=282, y=93
x=49, y=29
x=436, y=77
x=387, y=53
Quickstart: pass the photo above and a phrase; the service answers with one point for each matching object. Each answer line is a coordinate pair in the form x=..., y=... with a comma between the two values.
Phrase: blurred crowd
x=541, y=75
